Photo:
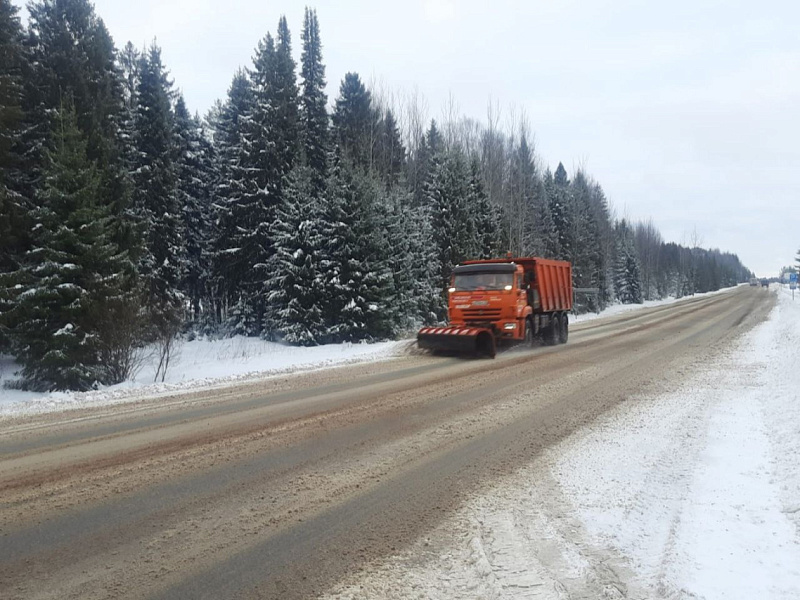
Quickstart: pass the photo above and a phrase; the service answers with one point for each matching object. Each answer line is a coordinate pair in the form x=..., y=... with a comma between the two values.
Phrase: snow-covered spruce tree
x=14, y=207
x=487, y=218
x=297, y=299
x=156, y=195
x=454, y=228
x=129, y=61
x=560, y=202
x=229, y=262
x=284, y=105
x=426, y=161
x=592, y=254
x=420, y=259
x=627, y=273
x=519, y=191
x=355, y=122
x=584, y=248
x=314, y=121
x=380, y=203
x=605, y=243
x=397, y=237
x=532, y=224
x=72, y=269
x=358, y=279
x=195, y=171
x=390, y=155
x=269, y=148
x=74, y=56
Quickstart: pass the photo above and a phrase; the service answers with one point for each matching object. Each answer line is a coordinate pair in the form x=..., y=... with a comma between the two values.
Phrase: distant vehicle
x=754, y=281
x=765, y=283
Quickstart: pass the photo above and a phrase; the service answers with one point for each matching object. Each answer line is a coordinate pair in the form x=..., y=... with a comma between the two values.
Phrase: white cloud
x=438, y=11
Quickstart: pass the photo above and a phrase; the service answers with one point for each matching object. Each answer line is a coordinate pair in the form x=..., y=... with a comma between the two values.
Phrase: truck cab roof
x=485, y=267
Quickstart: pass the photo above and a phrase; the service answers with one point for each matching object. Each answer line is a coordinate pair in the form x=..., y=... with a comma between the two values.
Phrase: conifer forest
x=126, y=220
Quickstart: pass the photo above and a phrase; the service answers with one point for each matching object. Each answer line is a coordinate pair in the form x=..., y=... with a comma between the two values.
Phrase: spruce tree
x=156, y=193
x=196, y=179
x=284, y=101
x=520, y=189
x=627, y=273
x=490, y=241
x=72, y=269
x=230, y=264
x=297, y=300
x=559, y=199
x=355, y=122
x=14, y=225
x=430, y=306
x=314, y=126
x=396, y=236
x=585, y=240
x=454, y=227
x=426, y=159
x=357, y=272
x=129, y=61
x=74, y=56
x=389, y=151
x=269, y=149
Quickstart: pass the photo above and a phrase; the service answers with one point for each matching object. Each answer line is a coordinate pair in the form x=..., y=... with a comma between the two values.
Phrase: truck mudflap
x=476, y=341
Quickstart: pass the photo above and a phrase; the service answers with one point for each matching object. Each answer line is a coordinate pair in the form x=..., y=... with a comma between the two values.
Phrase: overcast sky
x=685, y=111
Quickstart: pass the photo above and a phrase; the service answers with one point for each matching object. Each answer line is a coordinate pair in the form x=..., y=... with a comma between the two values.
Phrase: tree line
x=126, y=220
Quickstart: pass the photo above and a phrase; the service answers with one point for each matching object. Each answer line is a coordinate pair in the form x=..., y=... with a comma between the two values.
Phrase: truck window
x=482, y=281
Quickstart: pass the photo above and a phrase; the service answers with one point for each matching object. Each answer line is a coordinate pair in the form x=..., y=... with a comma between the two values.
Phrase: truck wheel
x=485, y=346
x=564, y=328
x=529, y=337
x=553, y=332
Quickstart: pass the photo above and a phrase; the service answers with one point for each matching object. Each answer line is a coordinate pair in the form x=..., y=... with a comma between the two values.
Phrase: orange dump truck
x=503, y=300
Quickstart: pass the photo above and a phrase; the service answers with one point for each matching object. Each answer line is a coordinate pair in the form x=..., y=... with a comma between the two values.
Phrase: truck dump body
x=503, y=300
x=555, y=284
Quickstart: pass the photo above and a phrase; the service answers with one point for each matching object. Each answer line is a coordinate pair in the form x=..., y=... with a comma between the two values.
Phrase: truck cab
x=492, y=295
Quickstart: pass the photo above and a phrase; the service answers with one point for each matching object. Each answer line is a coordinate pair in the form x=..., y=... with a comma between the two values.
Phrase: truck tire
x=529, y=339
x=552, y=334
x=564, y=329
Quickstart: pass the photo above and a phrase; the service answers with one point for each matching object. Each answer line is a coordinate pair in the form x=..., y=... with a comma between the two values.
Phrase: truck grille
x=481, y=314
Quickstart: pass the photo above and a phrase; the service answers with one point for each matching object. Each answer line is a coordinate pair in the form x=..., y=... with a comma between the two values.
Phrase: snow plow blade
x=475, y=341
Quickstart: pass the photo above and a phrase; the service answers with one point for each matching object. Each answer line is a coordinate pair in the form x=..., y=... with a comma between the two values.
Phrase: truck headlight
x=510, y=326
x=451, y=290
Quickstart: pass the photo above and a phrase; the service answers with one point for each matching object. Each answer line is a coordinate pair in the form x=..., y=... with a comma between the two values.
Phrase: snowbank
x=703, y=497
x=618, y=309
x=197, y=364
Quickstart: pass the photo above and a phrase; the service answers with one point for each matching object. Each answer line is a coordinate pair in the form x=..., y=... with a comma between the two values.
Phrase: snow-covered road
x=693, y=492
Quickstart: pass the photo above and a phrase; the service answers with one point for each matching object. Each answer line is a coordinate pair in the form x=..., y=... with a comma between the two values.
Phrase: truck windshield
x=483, y=281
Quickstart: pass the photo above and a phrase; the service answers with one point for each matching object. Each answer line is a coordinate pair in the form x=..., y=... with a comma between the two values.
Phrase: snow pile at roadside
x=618, y=309
x=698, y=491
x=197, y=364
x=689, y=494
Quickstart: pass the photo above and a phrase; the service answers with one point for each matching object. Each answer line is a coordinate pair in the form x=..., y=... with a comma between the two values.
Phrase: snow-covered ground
x=618, y=309
x=197, y=364
x=208, y=363
x=690, y=494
